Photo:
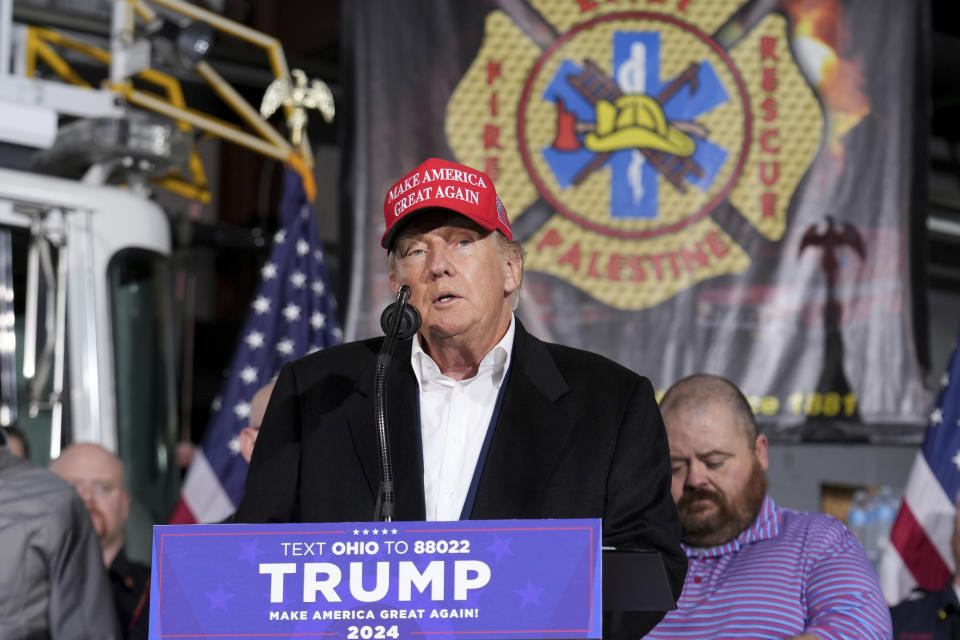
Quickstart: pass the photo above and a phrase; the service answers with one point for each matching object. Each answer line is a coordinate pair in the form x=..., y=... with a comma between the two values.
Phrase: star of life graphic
x=638, y=123
x=636, y=128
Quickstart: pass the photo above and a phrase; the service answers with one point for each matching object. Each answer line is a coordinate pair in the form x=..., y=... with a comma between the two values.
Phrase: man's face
x=459, y=276
x=719, y=478
x=258, y=409
x=97, y=476
x=15, y=444
x=955, y=544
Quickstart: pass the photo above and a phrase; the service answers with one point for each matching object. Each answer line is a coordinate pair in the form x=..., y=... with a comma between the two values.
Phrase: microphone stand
x=399, y=321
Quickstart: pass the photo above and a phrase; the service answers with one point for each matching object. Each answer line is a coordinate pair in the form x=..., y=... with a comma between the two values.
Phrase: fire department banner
x=700, y=185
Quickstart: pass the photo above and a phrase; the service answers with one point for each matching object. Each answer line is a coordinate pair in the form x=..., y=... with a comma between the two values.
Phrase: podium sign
x=378, y=581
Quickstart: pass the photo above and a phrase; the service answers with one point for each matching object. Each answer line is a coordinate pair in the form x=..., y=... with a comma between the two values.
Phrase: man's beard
x=729, y=519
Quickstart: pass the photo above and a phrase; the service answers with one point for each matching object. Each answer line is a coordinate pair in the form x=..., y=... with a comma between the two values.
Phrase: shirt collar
x=426, y=370
x=765, y=526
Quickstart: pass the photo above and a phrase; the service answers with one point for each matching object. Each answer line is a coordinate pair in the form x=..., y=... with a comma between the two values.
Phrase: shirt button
x=461, y=388
x=451, y=494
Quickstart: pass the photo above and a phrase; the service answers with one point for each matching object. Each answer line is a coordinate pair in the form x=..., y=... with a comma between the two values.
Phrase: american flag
x=292, y=314
x=919, y=553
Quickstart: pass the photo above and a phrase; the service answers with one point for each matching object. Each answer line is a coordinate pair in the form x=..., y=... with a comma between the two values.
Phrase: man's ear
x=512, y=271
x=247, y=439
x=394, y=283
x=760, y=450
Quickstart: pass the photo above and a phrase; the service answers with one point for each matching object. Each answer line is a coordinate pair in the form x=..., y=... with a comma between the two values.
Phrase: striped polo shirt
x=788, y=573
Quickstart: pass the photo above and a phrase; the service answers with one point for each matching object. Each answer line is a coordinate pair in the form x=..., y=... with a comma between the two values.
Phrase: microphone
x=409, y=319
x=399, y=322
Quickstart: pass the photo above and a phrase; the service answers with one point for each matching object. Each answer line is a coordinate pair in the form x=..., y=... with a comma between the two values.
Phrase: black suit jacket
x=933, y=616
x=130, y=583
x=578, y=436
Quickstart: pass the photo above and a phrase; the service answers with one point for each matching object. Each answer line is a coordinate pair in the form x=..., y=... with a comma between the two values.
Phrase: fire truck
x=87, y=351
x=87, y=317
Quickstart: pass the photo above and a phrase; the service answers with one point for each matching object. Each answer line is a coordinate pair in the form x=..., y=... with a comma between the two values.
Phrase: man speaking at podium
x=486, y=421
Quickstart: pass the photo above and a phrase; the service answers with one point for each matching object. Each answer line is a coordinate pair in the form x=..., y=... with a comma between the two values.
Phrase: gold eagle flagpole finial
x=300, y=96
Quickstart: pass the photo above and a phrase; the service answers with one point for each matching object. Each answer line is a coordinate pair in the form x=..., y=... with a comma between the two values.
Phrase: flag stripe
x=182, y=514
x=929, y=505
x=918, y=551
x=895, y=578
x=202, y=492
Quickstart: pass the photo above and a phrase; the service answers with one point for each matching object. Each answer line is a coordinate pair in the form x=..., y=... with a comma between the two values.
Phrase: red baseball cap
x=443, y=184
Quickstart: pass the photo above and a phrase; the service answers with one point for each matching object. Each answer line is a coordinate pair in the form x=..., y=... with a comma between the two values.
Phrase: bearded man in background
x=755, y=570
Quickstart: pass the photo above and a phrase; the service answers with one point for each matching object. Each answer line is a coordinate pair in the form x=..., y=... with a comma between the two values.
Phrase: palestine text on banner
x=292, y=314
x=919, y=553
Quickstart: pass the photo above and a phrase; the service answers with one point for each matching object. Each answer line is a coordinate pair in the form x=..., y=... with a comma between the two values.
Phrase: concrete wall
x=798, y=471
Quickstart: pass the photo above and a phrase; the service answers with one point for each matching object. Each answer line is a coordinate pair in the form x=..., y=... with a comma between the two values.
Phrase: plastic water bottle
x=885, y=507
x=858, y=521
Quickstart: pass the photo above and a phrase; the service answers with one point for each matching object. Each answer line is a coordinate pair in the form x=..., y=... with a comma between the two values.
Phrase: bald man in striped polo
x=755, y=570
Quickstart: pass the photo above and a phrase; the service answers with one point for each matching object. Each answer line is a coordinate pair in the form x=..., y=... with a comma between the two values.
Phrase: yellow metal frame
x=268, y=142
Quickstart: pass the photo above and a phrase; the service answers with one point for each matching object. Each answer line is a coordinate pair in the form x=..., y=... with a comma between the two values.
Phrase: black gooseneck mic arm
x=399, y=321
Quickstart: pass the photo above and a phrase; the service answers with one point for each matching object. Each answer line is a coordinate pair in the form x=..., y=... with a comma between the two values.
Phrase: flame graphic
x=820, y=41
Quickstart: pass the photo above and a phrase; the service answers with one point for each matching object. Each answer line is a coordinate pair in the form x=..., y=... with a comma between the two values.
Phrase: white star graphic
x=216, y=404
x=366, y=531
x=956, y=460
x=242, y=410
x=234, y=445
x=269, y=271
x=298, y=279
x=280, y=236
x=285, y=347
x=356, y=531
x=318, y=255
x=248, y=374
x=303, y=247
x=261, y=305
x=291, y=312
x=254, y=339
x=338, y=333
x=305, y=213
x=318, y=320
x=393, y=531
x=376, y=531
x=318, y=287
x=945, y=379
x=936, y=417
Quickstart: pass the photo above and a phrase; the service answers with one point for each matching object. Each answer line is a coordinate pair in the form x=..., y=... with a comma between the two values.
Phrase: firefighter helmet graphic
x=635, y=127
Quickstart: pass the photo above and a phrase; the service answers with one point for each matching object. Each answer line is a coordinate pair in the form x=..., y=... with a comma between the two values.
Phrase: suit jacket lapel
x=529, y=434
x=403, y=419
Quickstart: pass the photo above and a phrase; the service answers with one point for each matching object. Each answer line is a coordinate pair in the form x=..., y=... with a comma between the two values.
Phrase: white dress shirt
x=454, y=416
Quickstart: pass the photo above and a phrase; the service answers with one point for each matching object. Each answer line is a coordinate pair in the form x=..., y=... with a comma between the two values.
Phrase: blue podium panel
x=378, y=581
